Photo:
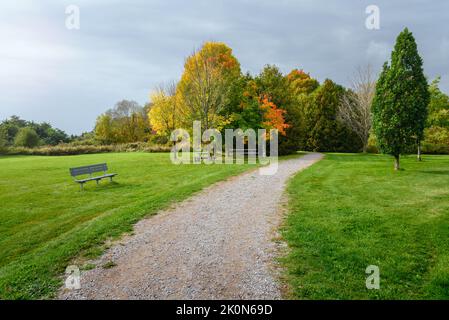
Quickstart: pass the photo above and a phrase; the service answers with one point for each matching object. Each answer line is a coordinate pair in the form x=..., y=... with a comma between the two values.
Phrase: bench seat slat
x=96, y=178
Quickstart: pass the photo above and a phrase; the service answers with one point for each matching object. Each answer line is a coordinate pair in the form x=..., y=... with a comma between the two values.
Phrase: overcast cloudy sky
x=125, y=48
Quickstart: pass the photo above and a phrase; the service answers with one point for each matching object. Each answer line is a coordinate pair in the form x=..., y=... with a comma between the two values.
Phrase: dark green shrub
x=26, y=137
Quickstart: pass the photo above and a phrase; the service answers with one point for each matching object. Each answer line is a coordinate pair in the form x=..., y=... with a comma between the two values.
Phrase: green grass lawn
x=45, y=221
x=351, y=211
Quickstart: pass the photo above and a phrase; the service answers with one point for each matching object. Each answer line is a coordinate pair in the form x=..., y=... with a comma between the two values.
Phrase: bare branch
x=355, y=106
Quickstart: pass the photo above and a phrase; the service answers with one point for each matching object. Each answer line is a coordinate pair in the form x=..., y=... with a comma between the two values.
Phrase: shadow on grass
x=9, y=156
x=361, y=157
x=438, y=172
x=104, y=186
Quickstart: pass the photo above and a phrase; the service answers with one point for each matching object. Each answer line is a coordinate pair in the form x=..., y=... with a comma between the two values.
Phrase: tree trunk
x=396, y=163
x=419, y=151
x=364, y=148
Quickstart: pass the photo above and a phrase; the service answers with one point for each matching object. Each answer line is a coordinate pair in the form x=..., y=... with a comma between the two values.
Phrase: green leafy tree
x=325, y=132
x=437, y=130
x=11, y=127
x=3, y=141
x=302, y=86
x=48, y=134
x=401, y=100
x=243, y=110
x=438, y=106
x=26, y=137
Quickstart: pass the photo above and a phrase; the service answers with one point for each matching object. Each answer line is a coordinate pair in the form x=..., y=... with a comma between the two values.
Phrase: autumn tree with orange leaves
x=273, y=117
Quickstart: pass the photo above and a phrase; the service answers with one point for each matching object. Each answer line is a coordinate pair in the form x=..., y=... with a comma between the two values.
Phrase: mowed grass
x=45, y=221
x=351, y=211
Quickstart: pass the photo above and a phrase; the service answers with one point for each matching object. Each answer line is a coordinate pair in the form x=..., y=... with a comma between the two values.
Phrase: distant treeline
x=309, y=115
x=22, y=133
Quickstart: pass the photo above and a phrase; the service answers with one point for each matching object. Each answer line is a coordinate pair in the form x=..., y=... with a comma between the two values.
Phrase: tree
x=205, y=85
x=11, y=127
x=48, y=134
x=126, y=122
x=104, y=131
x=326, y=133
x=302, y=86
x=257, y=109
x=355, y=106
x=438, y=106
x=437, y=127
x=3, y=141
x=273, y=87
x=129, y=121
x=26, y=137
x=301, y=82
x=273, y=117
x=401, y=100
x=165, y=112
x=243, y=110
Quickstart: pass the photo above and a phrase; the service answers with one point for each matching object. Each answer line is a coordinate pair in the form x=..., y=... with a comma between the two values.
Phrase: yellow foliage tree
x=205, y=85
x=165, y=112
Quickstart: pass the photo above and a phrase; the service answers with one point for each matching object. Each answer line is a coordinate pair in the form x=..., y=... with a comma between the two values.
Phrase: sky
x=124, y=49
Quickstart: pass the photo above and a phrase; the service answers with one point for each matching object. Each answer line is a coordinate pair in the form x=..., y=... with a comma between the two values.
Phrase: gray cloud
x=124, y=49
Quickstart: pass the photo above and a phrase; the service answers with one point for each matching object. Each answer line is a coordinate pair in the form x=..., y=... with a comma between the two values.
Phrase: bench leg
x=97, y=181
x=81, y=186
x=110, y=179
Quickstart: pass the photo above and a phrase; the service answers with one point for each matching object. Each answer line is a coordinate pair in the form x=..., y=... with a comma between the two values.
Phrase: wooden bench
x=90, y=170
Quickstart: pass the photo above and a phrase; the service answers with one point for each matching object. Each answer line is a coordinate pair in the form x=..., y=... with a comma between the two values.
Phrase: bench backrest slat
x=101, y=167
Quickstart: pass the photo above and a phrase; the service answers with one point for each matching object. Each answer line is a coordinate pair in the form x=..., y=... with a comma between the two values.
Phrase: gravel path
x=216, y=245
